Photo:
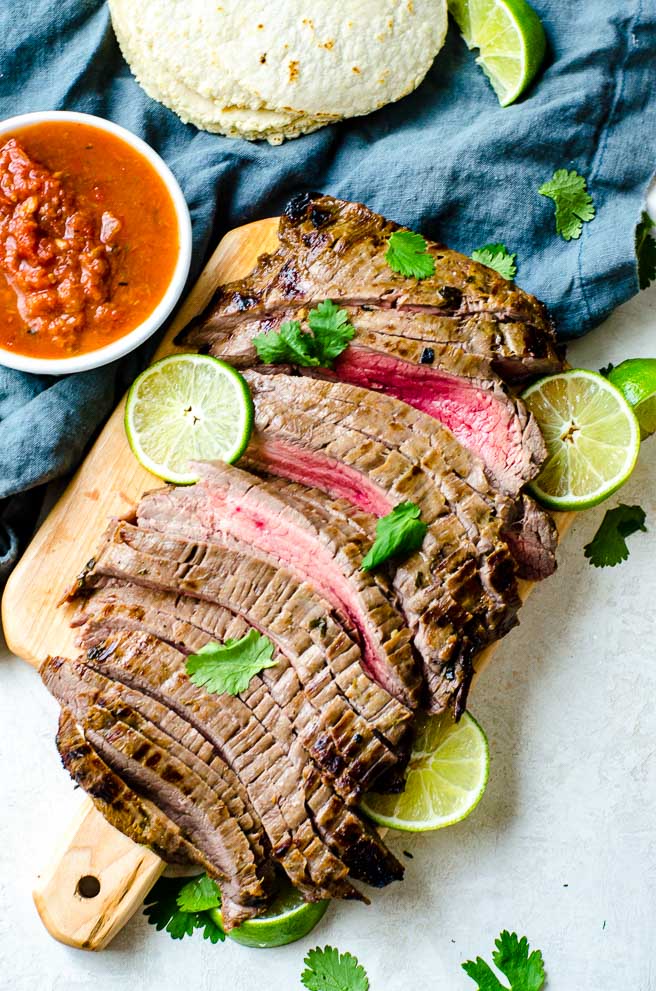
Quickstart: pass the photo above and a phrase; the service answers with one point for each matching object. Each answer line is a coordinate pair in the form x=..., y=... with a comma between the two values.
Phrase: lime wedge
x=510, y=39
x=288, y=919
x=592, y=438
x=445, y=780
x=636, y=380
x=187, y=407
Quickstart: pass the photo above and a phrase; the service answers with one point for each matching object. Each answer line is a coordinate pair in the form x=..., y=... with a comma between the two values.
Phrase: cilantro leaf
x=524, y=970
x=573, y=202
x=407, y=254
x=162, y=911
x=646, y=251
x=400, y=532
x=227, y=668
x=199, y=894
x=483, y=974
x=608, y=546
x=330, y=970
x=211, y=929
x=291, y=346
x=330, y=332
x=164, y=907
x=498, y=257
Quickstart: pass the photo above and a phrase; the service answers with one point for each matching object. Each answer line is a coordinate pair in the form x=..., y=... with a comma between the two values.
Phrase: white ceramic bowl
x=131, y=340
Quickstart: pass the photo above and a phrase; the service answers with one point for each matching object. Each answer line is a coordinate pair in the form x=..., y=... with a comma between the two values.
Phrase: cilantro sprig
x=498, y=257
x=646, y=251
x=400, y=533
x=199, y=895
x=524, y=969
x=407, y=253
x=329, y=970
x=573, y=203
x=330, y=333
x=608, y=547
x=227, y=668
x=179, y=906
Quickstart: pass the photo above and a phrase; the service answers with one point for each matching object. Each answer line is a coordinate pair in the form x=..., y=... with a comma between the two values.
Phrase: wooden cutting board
x=98, y=878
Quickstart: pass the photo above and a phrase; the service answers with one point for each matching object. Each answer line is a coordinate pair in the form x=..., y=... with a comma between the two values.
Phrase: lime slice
x=288, y=919
x=636, y=380
x=187, y=407
x=445, y=780
x=592, y=438
x=510, y=39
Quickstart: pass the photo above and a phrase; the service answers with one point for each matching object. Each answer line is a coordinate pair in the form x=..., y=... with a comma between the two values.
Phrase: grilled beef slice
x=498, y=429
x=477, y=346
x=104, y=613
x=322, y=420
x=294, y=618
x=228, y=786
x=332, y=249
x=143, y=663
x=235, y=503
x=449, y=673
x=163, y=771
x=123, y=606
x=344, y=260
x=459, y=592
x=132, y=815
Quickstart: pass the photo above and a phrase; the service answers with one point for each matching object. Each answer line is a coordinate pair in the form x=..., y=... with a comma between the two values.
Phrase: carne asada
x=333, y=249
x=415, y=406
x=426, y=365
x=230, y=502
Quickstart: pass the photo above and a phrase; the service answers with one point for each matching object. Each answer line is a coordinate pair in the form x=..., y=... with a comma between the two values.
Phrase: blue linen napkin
x=447, y=161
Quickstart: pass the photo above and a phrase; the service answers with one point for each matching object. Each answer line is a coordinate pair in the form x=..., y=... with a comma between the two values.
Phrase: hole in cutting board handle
x=88, y=886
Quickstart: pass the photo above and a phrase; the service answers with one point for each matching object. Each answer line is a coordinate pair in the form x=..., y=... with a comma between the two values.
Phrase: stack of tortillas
x=274, y=70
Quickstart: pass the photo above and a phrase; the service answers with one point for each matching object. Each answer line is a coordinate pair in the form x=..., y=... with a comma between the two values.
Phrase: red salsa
x=88, y=239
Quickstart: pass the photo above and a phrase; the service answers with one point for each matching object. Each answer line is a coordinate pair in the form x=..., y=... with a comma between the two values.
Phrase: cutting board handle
x=97, y=881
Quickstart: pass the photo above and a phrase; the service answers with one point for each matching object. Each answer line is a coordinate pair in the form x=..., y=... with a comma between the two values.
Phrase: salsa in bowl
x=95, y=242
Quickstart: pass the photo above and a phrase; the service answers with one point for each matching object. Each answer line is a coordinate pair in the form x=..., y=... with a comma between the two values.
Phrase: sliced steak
x=340, y=413
x=105, y=613
x=273, y=602
x=225, y=781
x=477, y=346
x=459, y=592
x=469, y=400
x=533, y=538
x=135, y=817
x=114, y=607
x=449, y=669
x=235, y=503
x=188, y=790
x=143, y=663
x=480, y=415
x=333, y=249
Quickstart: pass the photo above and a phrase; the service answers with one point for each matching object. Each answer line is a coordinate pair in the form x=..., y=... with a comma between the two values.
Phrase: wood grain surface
x=109, y=483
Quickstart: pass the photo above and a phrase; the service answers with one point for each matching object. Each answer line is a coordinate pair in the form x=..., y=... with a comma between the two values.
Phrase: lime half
x=592, y=438
x=288, y=919
x=510, y=39
x=445, y=780
x=187, y=407
x=636, y=380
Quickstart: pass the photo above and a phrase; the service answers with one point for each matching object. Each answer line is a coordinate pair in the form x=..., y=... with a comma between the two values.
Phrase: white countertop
x=562, y=847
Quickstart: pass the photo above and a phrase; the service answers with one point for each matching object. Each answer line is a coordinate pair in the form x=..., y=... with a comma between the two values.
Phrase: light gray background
x=562, y=847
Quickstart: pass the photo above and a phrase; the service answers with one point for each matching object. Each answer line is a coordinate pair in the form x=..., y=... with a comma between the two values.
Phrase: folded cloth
x=447, y=161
